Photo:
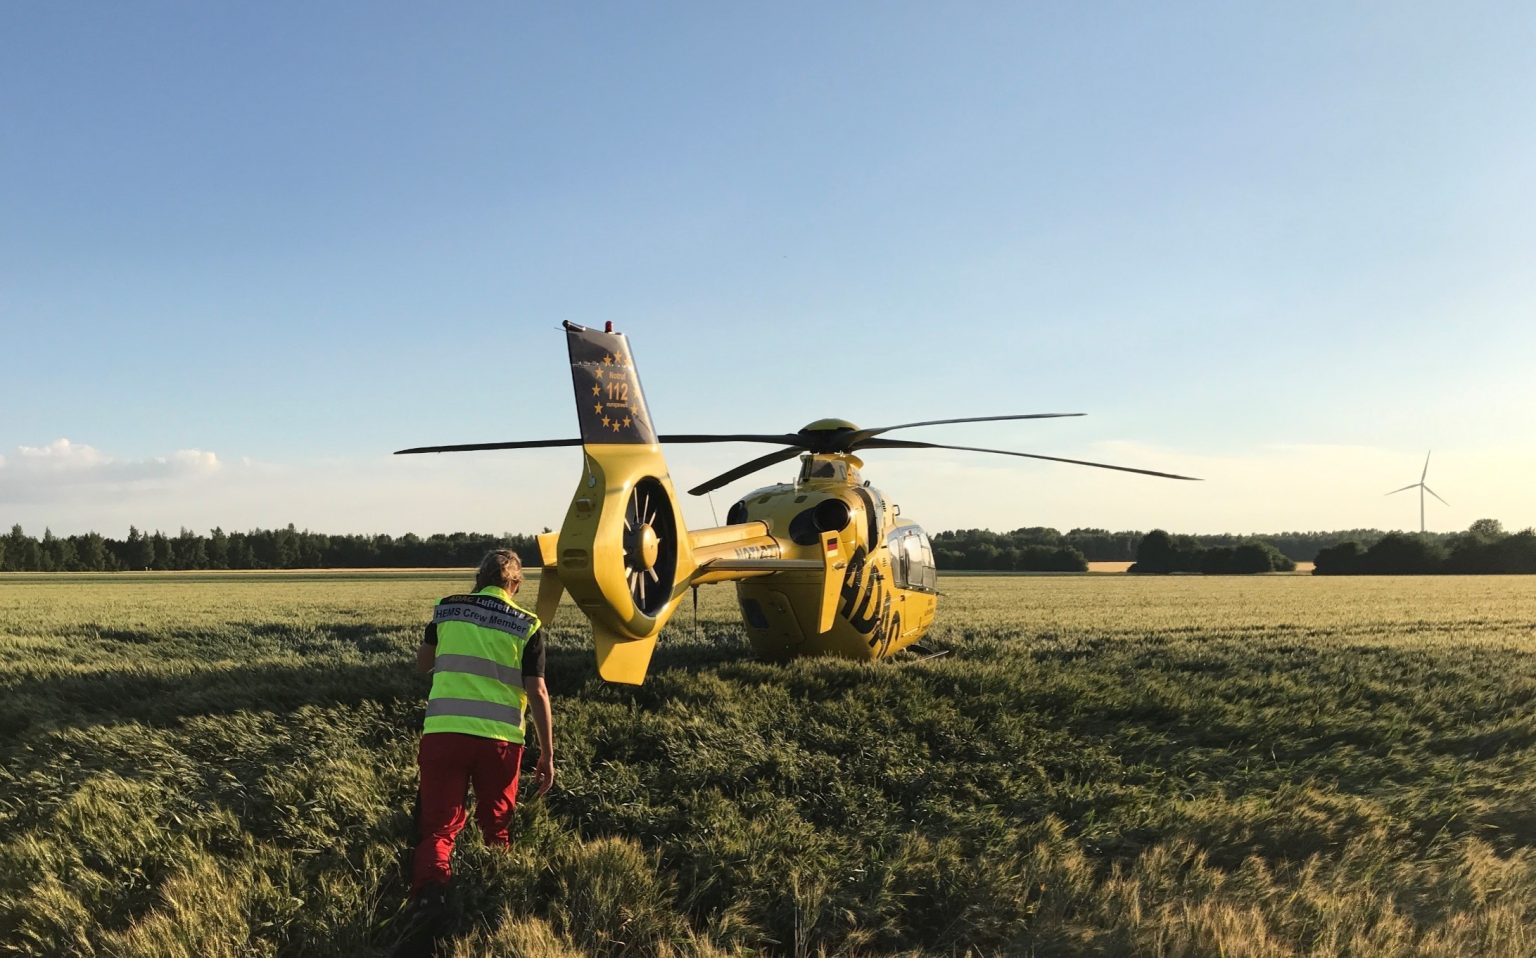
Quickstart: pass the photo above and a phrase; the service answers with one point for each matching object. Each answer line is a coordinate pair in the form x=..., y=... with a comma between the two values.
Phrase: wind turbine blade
x=1435, y=494
x=1425, y=474
x=1405, y=489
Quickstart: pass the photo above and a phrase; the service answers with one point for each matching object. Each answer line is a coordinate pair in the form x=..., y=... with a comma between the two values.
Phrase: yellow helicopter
x=824, y=565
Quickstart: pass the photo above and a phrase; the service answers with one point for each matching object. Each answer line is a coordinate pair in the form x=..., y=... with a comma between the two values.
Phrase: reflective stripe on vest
x=475, y=665
x=477, y=681
x=473, y=708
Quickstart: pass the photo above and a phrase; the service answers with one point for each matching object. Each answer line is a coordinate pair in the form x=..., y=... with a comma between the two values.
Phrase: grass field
x=1104, y=765
x=1302, y=568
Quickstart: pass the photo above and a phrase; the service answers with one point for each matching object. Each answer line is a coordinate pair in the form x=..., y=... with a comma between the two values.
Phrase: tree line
x=1485, y=548
x=985, y=549
x=287, y=548
x=1159, y=552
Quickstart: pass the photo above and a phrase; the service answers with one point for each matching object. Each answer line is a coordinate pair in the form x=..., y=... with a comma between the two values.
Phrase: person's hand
x=545, y=772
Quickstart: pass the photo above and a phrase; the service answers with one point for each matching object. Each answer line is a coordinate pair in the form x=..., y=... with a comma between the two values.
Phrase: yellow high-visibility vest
x=477, y=676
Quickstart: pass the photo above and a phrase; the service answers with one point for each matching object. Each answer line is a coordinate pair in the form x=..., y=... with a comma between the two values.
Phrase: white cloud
x=62, y=471
x=62, y=460
x=61, y=455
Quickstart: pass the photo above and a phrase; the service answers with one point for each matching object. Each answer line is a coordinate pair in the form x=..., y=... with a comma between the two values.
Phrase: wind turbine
x=1422, y=489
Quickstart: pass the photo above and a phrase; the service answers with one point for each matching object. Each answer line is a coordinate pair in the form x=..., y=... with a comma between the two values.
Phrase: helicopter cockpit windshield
x=817, y=467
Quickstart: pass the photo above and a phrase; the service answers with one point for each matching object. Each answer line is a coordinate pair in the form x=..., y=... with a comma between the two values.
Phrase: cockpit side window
x=930, y=567
x=912, y=565
x=896, y=543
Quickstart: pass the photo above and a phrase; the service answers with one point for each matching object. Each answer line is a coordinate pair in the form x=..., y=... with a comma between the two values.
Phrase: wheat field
x=223, y=764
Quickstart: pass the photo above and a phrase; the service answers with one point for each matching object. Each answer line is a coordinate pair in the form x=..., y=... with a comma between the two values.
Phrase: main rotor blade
x=779, y=440
x=1404, y=489
x=907, y=444
x=862, y=435
x=1435, y=494
x=545, y=443
x=481, y=446
x=746, y=469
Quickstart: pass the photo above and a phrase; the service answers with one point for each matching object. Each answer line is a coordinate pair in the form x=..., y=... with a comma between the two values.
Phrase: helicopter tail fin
x=550, y=588
x=623, y=551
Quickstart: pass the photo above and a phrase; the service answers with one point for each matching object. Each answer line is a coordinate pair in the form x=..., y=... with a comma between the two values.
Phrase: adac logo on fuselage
x=866, y=600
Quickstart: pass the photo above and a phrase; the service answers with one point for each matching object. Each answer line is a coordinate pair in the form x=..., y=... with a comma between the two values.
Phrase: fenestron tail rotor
x=650, y=546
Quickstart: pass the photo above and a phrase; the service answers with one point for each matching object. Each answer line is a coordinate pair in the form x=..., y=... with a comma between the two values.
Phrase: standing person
x=486, y=656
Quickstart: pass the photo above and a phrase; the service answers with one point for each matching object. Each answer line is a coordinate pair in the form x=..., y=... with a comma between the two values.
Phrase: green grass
x=224, y=765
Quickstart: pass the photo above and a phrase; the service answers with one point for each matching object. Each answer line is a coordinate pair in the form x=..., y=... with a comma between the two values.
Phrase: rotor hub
x=647, y=547
x=829, y=425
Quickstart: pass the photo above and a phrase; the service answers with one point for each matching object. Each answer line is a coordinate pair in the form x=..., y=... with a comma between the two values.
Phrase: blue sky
x=247, y=251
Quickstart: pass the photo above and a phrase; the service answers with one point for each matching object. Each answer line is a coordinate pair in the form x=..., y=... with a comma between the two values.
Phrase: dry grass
x=1302, y=568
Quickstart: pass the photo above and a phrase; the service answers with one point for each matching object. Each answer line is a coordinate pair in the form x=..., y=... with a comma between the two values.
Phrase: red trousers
x=449, y=763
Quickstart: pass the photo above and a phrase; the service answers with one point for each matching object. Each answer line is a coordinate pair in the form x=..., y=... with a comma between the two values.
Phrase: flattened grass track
x=222, y=764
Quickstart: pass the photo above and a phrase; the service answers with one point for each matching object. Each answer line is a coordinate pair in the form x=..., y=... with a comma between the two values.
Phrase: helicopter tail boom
x=752, y=552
